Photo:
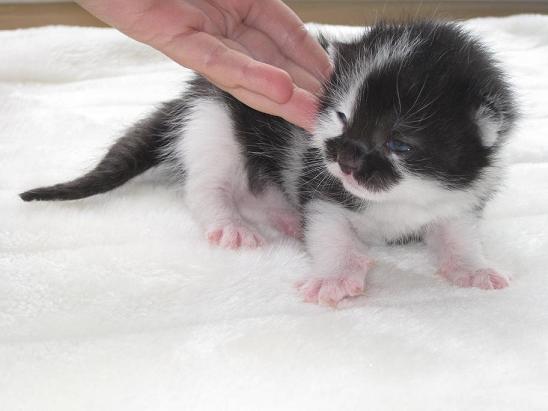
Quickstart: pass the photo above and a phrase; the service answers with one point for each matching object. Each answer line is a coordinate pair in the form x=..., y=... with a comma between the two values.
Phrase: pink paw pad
x=234, y=236
x=330, y=291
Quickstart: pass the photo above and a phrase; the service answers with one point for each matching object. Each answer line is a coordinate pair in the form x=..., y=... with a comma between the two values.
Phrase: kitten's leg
x=339, y=259
x=216, y=179
x=457, y=247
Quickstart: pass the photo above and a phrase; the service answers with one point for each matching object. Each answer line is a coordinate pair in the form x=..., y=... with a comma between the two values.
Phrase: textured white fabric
x=117, y=303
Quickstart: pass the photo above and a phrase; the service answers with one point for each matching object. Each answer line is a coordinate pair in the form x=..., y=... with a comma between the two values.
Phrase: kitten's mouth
x=351, y=183
x=373, y=188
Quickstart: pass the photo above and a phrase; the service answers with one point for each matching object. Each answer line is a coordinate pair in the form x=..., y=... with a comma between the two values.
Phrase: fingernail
x=327, y=71
x=305, y=107
x=318, y=90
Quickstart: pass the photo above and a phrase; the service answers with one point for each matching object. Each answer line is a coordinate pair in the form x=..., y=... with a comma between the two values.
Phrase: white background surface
x=116, y=302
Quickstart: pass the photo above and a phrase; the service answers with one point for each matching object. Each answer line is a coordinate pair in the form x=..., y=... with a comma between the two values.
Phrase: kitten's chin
x=355, y=188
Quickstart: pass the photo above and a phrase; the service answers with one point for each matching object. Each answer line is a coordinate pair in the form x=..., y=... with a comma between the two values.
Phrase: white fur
x=330, y=238
x=457, y=238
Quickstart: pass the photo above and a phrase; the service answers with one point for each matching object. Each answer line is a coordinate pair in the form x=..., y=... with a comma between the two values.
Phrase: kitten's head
x=412, y=102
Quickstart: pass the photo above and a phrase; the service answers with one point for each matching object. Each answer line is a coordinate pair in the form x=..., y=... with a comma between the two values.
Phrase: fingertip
x=271, y=82
x=303, y=110
x=282, y=88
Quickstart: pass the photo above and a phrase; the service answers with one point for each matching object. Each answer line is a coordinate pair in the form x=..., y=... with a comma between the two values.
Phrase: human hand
x=258, y=51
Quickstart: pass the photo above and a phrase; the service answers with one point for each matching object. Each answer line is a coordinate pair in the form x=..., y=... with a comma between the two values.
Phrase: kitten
x=406, y=147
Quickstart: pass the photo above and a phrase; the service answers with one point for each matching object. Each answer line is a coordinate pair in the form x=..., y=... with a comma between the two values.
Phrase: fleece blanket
x=116, y=302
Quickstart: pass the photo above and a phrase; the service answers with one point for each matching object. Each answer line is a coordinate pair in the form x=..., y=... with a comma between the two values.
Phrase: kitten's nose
x=348, y=162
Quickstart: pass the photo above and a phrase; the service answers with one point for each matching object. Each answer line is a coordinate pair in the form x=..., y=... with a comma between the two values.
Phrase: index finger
x=285, y=28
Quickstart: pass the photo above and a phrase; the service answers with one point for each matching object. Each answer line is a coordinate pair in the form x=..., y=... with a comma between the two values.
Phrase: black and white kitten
x=406, y=147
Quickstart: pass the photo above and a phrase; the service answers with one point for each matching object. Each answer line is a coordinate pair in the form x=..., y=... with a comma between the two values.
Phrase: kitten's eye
x=343, y=118
x=397, y=146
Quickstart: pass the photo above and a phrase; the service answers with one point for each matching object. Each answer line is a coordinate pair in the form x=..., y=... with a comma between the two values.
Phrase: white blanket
x=116, y=302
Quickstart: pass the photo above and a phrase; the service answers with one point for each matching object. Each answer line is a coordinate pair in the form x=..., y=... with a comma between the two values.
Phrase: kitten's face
x=403, y=110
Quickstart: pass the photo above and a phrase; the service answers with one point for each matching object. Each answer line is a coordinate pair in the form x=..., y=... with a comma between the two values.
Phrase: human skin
x=258, y=51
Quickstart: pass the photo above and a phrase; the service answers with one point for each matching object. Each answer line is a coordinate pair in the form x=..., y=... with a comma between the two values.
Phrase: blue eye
x=398, y=146
x=343, y=118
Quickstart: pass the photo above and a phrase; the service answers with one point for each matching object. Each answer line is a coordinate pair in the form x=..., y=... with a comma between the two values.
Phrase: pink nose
x=347, y=164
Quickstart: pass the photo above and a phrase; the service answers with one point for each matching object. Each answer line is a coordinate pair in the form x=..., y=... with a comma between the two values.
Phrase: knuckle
x=215, y=56
x=247, y=73
x=296, y=36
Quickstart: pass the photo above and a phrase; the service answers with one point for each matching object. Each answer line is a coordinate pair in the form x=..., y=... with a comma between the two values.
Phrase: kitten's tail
x=135, y=152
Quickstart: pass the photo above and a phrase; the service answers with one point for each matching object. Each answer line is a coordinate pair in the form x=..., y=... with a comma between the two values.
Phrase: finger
x=285, y=28
x=300, y=109
x=258, y=45
x=229, y=68
x=302, y=78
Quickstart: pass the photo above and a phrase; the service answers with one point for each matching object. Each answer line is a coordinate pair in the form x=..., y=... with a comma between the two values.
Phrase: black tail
x=138, y=150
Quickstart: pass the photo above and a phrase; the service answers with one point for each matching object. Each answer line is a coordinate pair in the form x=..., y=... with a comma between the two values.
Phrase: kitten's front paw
x=234, y=235
x=486, y=278
x=332, y=290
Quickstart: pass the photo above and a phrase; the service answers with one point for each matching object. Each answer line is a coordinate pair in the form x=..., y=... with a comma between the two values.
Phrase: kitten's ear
x=489, y=124
x=494, y=118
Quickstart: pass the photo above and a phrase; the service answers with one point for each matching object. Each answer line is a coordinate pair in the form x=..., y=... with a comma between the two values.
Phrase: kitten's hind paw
x=234, y=236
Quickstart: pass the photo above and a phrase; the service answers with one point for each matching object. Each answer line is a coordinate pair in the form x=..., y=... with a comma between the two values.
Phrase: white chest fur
x=407, y=210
